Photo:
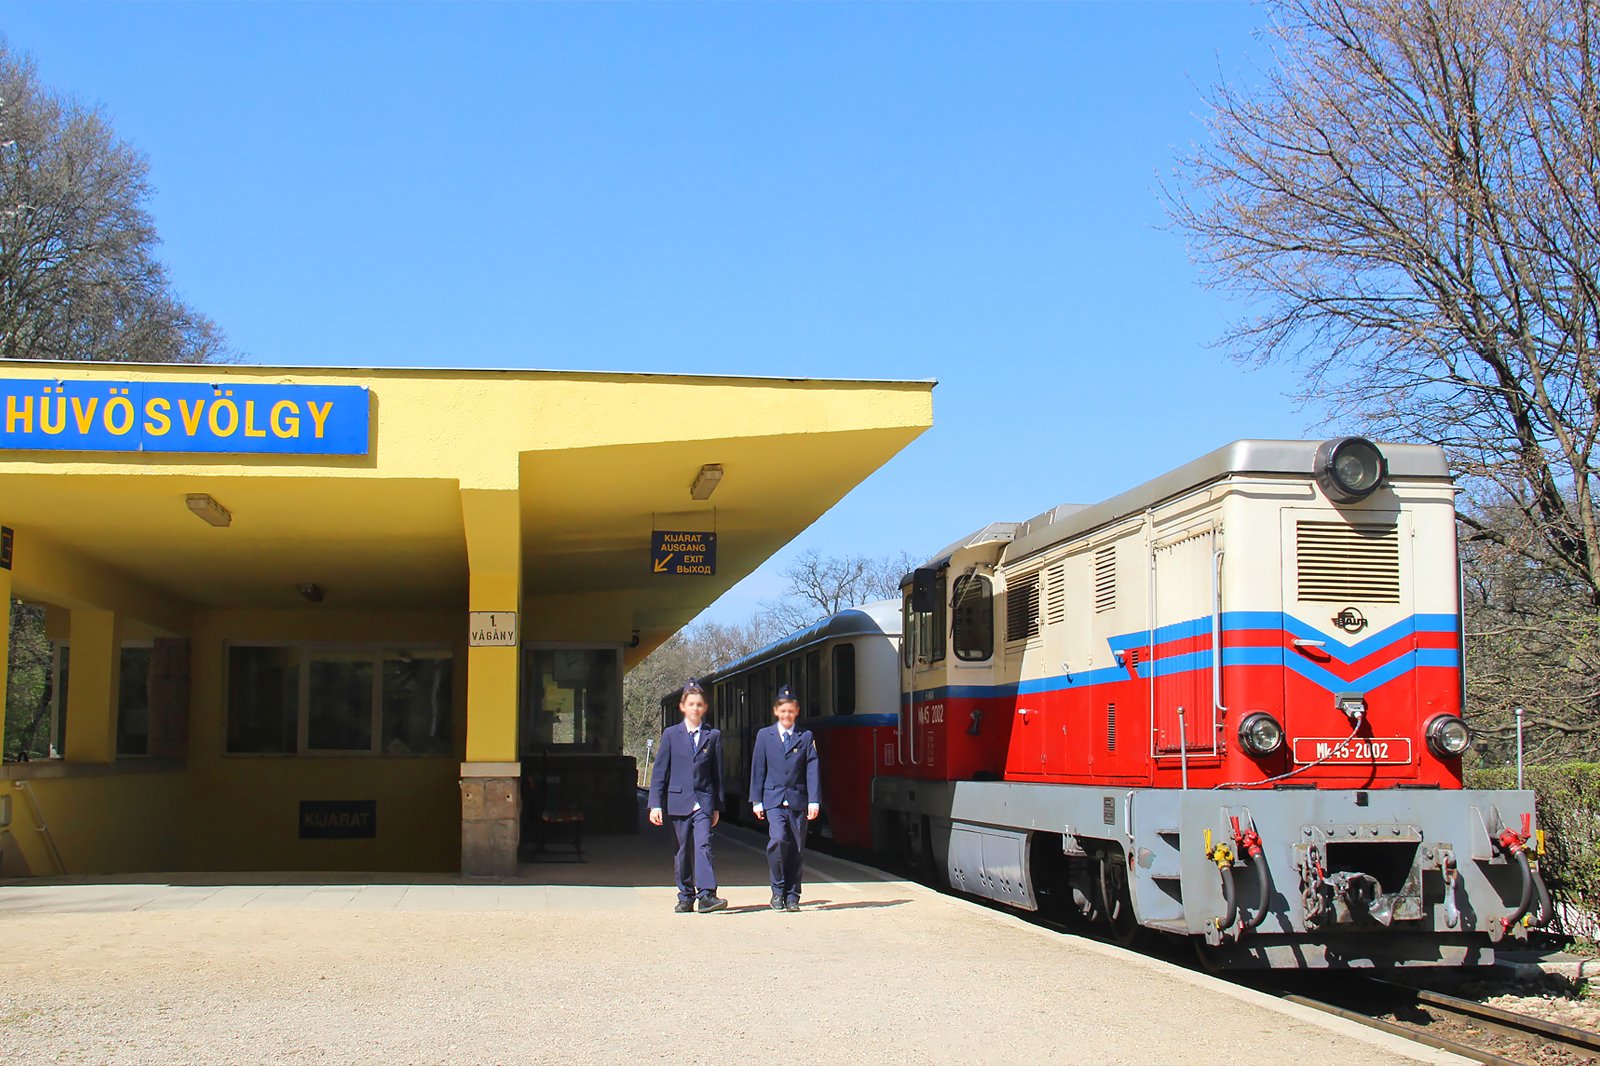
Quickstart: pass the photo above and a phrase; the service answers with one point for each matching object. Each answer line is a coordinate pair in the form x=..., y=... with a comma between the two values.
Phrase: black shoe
x=792, y=906
x=683, y=906
x=712, y=903
x=777, y=903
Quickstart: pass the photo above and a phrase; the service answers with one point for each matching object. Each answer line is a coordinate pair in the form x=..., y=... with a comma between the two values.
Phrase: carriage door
x=1181, y=663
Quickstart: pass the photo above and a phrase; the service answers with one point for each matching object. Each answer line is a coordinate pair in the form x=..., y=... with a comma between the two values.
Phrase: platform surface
x=585, y=962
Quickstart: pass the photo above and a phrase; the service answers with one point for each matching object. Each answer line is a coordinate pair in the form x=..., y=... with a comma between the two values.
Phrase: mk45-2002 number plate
x=1375, y=750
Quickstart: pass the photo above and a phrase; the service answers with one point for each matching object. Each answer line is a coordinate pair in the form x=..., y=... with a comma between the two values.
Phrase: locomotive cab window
x=972, y=622
x=924, y=630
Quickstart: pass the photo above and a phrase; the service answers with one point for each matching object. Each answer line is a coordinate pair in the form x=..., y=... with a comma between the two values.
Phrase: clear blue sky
x=960, y=192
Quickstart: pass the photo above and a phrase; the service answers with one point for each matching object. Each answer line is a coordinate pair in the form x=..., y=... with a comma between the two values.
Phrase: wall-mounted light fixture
x=209, y=509
x=312, y=592
x=706, y=481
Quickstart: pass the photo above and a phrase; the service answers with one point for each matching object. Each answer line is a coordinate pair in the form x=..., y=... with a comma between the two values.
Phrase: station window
x=133, y=700
x=572, y=698
x=289, y=698
x=844, y=679
x=972, y=622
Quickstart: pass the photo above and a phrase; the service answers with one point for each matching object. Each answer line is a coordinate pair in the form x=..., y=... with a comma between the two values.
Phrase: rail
x=1537, y=1035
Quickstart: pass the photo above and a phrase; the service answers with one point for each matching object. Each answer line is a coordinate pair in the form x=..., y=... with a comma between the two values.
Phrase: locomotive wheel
x=924, y=867
x=1116, y=903
x=1209, y=958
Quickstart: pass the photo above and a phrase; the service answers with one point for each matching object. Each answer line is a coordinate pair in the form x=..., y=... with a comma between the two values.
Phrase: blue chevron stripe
x=1279, y=621
x=1201, y=660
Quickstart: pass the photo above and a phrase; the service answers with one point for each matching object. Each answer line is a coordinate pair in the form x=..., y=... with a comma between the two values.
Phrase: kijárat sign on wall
x=338, y=819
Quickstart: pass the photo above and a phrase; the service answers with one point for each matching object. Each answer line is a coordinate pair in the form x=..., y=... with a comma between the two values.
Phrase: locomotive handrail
x=1216, y=635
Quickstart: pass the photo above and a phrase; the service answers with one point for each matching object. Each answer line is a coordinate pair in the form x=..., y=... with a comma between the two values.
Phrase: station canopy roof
x=592, y=462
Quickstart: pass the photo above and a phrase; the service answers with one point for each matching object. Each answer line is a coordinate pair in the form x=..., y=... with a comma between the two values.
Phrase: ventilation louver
x=1022, y=608
x=1105, y=579
x=1055, y=595
x=1341, y=563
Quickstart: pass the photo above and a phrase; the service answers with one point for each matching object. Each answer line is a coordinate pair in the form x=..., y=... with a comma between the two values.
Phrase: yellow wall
x=104, y=823
x=241, y=812
x=245, y=808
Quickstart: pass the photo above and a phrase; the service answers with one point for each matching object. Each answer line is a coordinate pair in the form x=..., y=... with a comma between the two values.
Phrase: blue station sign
x=169, y=416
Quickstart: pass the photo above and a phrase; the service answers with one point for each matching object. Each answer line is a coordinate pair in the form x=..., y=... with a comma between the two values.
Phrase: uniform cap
x=693, y=685
x=787, y=693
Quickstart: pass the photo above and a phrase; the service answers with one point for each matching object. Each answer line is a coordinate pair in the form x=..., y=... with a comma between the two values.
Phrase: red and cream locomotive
x=1225, y=705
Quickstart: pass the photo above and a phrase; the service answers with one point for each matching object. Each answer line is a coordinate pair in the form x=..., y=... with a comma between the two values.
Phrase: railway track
x=1461, y=1026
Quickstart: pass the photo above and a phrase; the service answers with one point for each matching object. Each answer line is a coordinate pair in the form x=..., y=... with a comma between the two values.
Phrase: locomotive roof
x=1240, y=457
x=879, y=619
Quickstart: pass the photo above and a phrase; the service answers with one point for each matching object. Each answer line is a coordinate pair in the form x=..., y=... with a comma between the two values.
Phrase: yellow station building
x=327, y=619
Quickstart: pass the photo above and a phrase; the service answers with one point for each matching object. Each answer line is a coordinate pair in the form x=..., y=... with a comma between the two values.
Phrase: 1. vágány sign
x=41, y=414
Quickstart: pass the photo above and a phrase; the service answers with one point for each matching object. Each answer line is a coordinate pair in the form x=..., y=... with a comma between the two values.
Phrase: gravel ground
x=872, y=971
x=1554, y=999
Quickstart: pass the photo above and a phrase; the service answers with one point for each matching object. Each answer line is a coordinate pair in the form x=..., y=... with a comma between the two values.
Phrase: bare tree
x=78, y=280
x=691, y=653
x=820, y=585
x=1408, y=195
x=78, y=274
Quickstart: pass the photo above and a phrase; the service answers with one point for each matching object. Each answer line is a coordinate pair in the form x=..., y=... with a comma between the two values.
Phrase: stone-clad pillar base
x=491, y=818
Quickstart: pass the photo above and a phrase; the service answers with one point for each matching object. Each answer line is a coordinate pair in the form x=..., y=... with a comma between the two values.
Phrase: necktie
x=694, y=739
x=786, y=740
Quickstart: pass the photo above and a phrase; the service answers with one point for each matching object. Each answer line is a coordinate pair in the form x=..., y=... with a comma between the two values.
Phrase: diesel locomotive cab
x=1226, y=704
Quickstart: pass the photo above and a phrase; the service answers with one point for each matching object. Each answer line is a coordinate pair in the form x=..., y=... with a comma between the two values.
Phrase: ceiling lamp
x=209, y=509
x=706, y=481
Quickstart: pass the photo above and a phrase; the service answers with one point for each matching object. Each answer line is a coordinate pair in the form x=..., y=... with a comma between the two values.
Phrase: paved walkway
x=584, y=962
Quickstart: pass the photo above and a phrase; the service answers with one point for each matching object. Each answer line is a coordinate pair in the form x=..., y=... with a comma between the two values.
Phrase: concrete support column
x=491, y=797
x=93, y=685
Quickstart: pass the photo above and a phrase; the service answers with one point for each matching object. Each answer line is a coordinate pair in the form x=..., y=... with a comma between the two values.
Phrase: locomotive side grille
x=1105, y=579
x=1339, y=563
x=1111, y=727
x=1022, y=608
x=1055, y=598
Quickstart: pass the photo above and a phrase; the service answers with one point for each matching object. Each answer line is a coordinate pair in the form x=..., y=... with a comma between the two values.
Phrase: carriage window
x=844, y=679
x=813, y=683
x=972, y=627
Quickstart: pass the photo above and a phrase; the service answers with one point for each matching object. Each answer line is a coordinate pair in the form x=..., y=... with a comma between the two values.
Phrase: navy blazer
x=684, y=776
x=780, y=775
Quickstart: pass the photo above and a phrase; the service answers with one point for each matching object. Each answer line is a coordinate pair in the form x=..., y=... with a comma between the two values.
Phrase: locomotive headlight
x=1260, y=733
x=1349, y=468
x=1448, y=735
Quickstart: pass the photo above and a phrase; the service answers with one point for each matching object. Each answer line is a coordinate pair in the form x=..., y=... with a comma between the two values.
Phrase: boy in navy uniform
x=786, y=793
x=688, y=774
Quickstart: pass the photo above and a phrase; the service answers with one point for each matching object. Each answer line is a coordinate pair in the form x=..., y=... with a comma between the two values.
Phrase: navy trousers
x=696, y=875
x=786, y=849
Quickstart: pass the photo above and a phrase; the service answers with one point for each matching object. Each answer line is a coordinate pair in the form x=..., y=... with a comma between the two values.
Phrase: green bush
x=1568, y=799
